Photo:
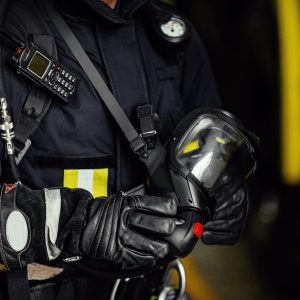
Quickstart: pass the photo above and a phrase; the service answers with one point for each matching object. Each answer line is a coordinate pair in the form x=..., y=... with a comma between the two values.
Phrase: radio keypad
x=60, y=80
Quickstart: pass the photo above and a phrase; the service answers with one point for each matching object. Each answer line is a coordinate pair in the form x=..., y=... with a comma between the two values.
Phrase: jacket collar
x=127, y=9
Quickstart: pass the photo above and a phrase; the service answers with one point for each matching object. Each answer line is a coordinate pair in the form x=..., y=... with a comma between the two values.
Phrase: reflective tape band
x=85, y=180
x=100, y=183
x=71, y=179
x=53, y=207
x=93, y=180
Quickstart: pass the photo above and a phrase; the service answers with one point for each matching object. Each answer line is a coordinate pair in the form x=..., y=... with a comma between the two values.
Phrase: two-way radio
x=42, y=69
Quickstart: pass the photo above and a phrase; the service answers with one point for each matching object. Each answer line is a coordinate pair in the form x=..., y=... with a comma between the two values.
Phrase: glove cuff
x=15, y=228
x=22, y=226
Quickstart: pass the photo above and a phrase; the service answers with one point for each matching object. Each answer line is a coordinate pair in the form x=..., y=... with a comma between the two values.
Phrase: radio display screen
x=38, y=64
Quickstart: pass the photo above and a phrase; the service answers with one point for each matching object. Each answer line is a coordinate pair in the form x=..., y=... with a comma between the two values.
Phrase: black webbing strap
x=35, y=108
x=136, y=142
x=17, y=284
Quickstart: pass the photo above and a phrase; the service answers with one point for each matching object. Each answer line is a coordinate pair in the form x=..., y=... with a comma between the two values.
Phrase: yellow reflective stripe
x=100, y=182
x=289, y=38
x=71, y=179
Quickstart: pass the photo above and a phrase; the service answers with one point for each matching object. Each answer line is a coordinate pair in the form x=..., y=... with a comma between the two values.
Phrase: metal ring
x=177, y=266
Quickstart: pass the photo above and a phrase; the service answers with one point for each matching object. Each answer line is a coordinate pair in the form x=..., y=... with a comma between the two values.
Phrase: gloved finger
x=219, y=238
x=239, y=197
x=231, y=212
x=223, y=232
x=224, y=225
x=237, y=210
x=228, y=222
x=145, y=245
x=161, y=205
x=152, y=224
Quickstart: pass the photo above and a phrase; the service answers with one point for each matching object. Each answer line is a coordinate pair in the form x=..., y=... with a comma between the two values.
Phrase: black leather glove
x=43, y=225
x=228, y=221
x=129, y=229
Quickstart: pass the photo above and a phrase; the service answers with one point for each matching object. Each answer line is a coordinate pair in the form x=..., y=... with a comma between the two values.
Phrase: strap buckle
x=150, y=139
x=139, y=147
x=147, y=134
x=146, y=117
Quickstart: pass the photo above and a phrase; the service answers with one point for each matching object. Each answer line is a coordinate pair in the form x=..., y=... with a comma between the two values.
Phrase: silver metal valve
x=6, y=127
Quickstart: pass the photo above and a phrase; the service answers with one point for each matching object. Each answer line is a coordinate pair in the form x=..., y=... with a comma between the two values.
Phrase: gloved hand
x=228, y=221
x=129, y=229
x=42, y=225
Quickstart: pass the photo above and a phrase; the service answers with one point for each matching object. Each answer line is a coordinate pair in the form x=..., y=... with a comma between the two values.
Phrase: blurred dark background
x=243, y=43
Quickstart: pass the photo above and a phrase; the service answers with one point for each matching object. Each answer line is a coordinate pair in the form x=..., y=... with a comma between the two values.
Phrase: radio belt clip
x=146, y=118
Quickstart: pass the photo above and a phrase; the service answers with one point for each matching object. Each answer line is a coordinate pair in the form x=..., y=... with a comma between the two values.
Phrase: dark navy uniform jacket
x=83, y=132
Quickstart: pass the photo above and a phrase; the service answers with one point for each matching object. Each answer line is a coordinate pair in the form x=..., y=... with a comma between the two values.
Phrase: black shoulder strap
x=153, y=158
x=25, y=20
x=136, y=142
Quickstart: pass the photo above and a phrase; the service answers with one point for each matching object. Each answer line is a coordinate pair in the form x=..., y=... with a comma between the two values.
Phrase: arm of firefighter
x=54, y=224
x=229, y=220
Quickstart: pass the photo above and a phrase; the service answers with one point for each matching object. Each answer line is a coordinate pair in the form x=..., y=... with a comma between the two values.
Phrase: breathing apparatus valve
x=7, y=134
x=6, y=127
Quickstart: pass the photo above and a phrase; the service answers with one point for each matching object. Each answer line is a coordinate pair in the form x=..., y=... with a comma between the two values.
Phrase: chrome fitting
x=6, y=127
